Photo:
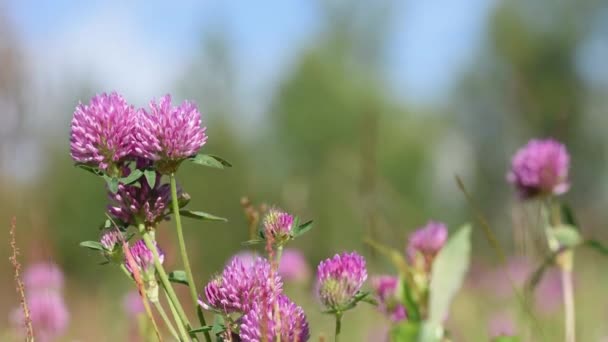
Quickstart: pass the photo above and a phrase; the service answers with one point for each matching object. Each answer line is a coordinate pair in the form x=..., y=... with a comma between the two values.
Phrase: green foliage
x=405, y=332
x=210, y=161
x=94, y=245
x=449, y=269
x=179, y=277
x=150, y=177
x=200, y=215
x=302, y=228
x=567, y=235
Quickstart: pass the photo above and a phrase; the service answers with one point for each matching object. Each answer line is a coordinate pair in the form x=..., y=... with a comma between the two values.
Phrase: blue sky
x=139, y=47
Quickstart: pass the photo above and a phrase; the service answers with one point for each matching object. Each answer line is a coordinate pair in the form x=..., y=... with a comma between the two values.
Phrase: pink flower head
x=111, y=239
x=239, y=286
x=385, y=287
x=247, y=258
x=278, y=223
x=134, y=204
x=427, y=241
x=340, y=278
x=168, y=134
x=144, y=258
x=43, y=276
x=540, y=168
x=262, y=319
x=101, y=132
x=133, y=304
x=48, y=313
x=293, y=266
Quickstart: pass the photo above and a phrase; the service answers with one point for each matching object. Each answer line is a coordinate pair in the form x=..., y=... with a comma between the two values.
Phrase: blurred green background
x=356, y=114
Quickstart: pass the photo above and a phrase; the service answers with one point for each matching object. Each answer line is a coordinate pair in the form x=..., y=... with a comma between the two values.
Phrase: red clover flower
x=340, y=278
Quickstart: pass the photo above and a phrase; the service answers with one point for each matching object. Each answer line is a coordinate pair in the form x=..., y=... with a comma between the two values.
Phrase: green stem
x=338, y=326
x=165, y=280
x=168, y=323
x=184, y=254
x=180, y=327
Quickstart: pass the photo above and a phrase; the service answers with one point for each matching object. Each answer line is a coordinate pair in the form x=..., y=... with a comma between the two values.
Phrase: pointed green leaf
x=132, y=177
x=566, y=235
x=252, y=242
x=597, y=246
x=413, y=314
x=449, y=270
x=303, y=228
x=568, y=215
x=112, y=183
x=430, y=332
x=150, y=177
x=210, y=161
x=179, y=277
x=88, y=168
x=95, y=245
x=201, y=329
x=200, y=215
x=218, y=325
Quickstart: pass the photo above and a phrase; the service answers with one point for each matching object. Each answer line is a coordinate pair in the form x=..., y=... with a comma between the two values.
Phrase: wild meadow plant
x=138, y=153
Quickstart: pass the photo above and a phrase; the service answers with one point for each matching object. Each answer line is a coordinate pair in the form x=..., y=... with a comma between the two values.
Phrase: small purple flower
x=385, y=287
x=43, y=276
x=110, y=239
x=427, y=241
x=262, y=319
x=340, y=278
x=168, y=134
x=239, y=286
x=540, y=168
x=141, y=204
x=293, y=266
x=144, y=258
x=101, y=133
x=133, y=304
x=278, y=223
x=48, y=313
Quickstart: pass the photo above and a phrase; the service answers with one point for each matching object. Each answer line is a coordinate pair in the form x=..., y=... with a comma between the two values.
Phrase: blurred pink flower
x=133, y=304
x=548, y=292
x=293, y=266
x=43, y=275
x=500, y=281
x=48, y=312
x=426, y=242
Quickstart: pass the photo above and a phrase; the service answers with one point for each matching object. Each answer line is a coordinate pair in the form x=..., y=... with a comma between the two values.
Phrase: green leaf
x=408, y=301
x=395, y=256
x=112, y=183
x=132, y=177
x=179, y=277
x=199, y=215
x=566, y=235
x=218, y=325
x=598, y=246
x=210, y=161
x=201, y=329
x=150, y=177
x=404, y=332
x=89, y=168
x=252, y=242
x=303, y=228
x=430, y=332
x=449, y=270
x=95, y=245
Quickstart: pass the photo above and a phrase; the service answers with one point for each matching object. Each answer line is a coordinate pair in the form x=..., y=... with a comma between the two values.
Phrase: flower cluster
x=278, y=223
x=143, y=259
x=540, y=168
x=247, y=286
x=240, y=285
x=340, y=278
x=262, y=319
x=108, y=132
x=385, y=288
x=48, y=311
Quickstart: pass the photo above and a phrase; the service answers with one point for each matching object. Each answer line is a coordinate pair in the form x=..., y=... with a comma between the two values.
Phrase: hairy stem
x=168, y=323
x=338, y=326
x=184, y=254
x=165, y=281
